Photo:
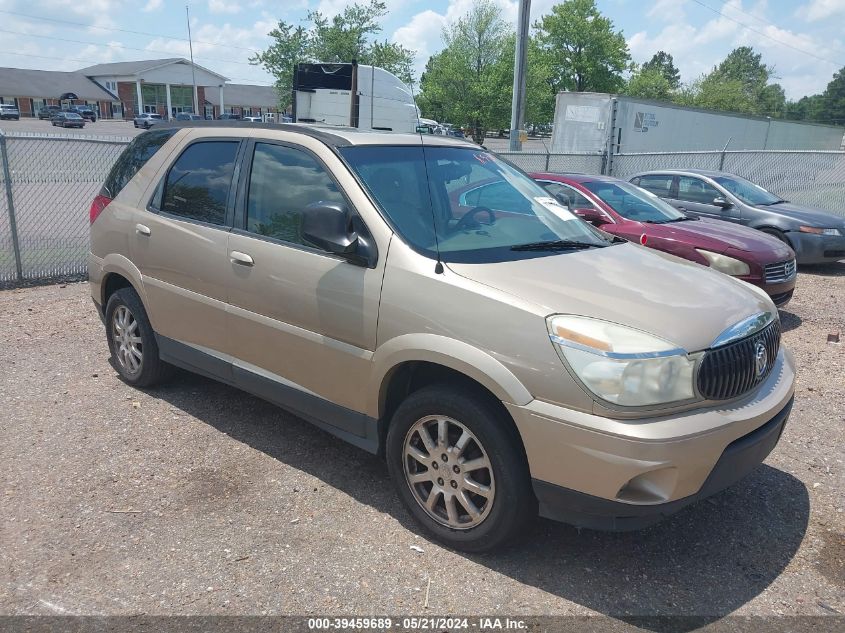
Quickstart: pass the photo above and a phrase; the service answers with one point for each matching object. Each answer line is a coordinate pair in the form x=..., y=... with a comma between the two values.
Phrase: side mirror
x=721, y=202
x=330, y=226
x=593, y=216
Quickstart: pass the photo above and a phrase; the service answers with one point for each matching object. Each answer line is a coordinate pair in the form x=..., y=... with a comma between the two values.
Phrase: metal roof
x=50, y=84
x=245, y=95
x=138, y=67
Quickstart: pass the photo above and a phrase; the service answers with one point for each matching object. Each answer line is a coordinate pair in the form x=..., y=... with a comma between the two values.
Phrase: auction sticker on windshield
x=555, y=207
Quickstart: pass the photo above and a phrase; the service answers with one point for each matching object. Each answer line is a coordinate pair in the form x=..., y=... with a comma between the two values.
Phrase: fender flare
x=120, y=265
x=448, y=352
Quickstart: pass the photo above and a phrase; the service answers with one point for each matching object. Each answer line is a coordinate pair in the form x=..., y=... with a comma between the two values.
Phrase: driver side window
x=567, y=196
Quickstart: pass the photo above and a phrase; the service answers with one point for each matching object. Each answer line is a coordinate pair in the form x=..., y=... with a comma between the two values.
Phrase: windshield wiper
x=768, y=204
x=554, y=245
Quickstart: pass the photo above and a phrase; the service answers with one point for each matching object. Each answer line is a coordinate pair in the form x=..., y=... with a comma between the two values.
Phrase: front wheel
x=778, y=235
x=458, y=465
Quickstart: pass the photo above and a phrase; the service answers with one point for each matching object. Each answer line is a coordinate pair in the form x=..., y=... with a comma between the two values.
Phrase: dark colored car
x=188, y=116
x=67, y=119
x=622, y=209
x=816, y=236
x=48, y=112
x=86, y=112
x=229, y=117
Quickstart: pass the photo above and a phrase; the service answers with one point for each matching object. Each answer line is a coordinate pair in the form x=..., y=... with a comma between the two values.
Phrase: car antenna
x=438, y=267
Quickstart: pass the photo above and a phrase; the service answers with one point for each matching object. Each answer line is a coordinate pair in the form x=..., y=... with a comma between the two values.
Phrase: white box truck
x=353, y=95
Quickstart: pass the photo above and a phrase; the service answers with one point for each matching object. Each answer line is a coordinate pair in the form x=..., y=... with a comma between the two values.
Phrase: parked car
x=188, y=116
x=253, y=119
x=229, y=117
x=621, y=208
x=501, y=360
x=67, y=119
x=9, y=111
x=47, y=112
x=146, y=120
x=816, y=236
x=86, y=112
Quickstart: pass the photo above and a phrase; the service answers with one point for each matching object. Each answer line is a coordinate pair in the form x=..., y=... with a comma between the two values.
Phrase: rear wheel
x=132, y=340
x=458, y=466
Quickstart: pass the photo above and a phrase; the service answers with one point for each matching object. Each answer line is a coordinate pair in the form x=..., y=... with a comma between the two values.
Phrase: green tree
x=740, y=83
x=833, y=100
x=649, y=83
x=342, y=38
x=664, y=63
x=466, y=82
x=290, y=47
x=584, y=51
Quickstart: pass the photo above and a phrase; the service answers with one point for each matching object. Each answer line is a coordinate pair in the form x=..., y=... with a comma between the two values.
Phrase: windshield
x=634, y=203
x=747, y=191
x=466, y=203
x=72, y=115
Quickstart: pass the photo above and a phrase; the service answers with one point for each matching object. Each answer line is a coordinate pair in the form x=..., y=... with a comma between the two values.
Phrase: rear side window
x=197, y=186
x=696, y=190
x=658, y=185
x=282, y=183
x=135, y=156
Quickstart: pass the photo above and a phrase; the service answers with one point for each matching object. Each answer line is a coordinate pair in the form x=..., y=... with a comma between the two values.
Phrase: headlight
x=725, y=264
x=820, y=231
x=622, y=365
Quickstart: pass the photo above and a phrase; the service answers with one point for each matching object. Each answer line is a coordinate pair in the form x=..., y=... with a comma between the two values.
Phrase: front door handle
x=142, y=229
x=243, y=259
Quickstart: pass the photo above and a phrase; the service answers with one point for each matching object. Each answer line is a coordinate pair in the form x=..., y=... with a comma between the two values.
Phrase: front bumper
x=739, y=458
x=817, y=249
x=623, y=474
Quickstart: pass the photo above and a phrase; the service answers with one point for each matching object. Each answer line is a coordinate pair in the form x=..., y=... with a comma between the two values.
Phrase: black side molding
x=351, y=426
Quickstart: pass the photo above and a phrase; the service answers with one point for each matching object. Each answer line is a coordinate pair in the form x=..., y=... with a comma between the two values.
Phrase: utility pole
x=518, y=104
x=193, y=73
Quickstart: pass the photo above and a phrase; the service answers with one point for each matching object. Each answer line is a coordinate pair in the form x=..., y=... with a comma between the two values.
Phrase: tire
x=149, y=370
x=777, y=234
x=135, y=124
x=499, y=519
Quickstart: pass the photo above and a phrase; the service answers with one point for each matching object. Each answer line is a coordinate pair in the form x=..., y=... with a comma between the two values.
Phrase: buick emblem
x=761, y=359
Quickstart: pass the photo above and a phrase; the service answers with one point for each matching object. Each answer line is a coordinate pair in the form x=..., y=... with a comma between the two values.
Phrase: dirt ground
x=195, y=498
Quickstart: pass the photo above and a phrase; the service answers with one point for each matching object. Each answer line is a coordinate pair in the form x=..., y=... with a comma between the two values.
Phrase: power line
x=108, y=28
x=766, y=35
x=128, y=48
x=88, y=61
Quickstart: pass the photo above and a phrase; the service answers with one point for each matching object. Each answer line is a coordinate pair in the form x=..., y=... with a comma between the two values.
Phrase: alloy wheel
x=449, y=472
x=127, y=340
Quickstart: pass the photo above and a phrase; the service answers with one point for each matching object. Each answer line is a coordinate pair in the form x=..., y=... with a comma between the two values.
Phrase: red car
x=623, y=209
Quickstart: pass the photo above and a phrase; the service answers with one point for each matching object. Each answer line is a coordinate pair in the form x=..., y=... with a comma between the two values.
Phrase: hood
x=814, y=217
x=682, y=302
x=720, y=236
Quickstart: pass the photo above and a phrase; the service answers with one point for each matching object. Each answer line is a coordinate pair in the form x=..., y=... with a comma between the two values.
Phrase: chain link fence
x=47, y=183
x=813, y=178
x=560, y=163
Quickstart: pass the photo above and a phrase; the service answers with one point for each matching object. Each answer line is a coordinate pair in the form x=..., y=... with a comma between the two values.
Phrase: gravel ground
x=198, y=499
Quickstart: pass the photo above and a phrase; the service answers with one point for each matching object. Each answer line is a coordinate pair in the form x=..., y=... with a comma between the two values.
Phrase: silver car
x=816, y=236
x=146, y=120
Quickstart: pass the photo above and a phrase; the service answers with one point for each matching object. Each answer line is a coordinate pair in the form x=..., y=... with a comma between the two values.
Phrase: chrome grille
x=730, y=371
x=779, y=272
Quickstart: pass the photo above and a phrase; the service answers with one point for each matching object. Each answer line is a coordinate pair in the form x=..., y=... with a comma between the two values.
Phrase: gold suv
x=423, y=299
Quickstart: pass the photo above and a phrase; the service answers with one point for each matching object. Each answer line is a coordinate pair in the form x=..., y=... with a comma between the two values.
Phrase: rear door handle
x=243, y=259
x=141, y=229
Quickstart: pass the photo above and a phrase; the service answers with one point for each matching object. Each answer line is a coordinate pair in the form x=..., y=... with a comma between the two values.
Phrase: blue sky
x=803, y=39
